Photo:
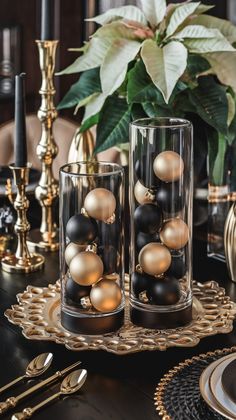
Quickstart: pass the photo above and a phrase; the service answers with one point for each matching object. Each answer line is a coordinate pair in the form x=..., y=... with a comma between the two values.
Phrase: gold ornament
x=142, y=194
x=86, y=268
x=168, y=166
x=100, y=204
x=105, y=296
x=154, y=258
x=72, y=250
x=175, y=233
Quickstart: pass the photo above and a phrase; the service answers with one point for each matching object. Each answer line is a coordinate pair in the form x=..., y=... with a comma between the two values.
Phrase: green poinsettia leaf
x=208, y=45
x=231, y=137
x=223, y=65
x=113, y=127
x=154, y=11
x=154, y=110
x=88, y=83
x=197, y=31
x=196, y=65
x=137, y=112
x=224, y=26
x=92, y=58
x=114, y=67
x=179, y=15
x=164, y=65
x=213, y=106
x=218, y=172
x=90, y=122
x=127, y=12
x=231, y=109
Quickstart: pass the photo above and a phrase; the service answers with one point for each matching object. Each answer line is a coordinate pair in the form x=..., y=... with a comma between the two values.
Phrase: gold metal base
x=12, y=264
x=35, y=242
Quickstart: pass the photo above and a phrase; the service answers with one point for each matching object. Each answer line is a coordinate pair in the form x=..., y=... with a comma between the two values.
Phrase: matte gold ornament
x=105, y=296
x=86, y=268
x=142, y=194
x=154, y=258
x=72, y=250
x=100, y=204
x=168, y=166
x=175, y=233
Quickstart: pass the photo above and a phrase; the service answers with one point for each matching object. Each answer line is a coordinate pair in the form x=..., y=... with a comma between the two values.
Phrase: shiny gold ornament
x=175, y=233
x=154, y=258
x=72, y=250
x=168, y=166
x=105, y=296
x=100, y=204
x=142, y=194
x=86, y=268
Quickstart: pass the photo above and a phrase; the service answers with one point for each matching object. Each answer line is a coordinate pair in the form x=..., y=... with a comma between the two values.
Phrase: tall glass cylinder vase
x=161, y=192
x=91, y=247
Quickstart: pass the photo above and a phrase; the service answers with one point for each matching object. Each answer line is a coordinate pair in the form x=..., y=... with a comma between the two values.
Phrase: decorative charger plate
x=38, y=314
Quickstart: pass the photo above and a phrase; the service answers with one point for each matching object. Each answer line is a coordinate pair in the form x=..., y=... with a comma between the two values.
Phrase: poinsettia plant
x=157, y=61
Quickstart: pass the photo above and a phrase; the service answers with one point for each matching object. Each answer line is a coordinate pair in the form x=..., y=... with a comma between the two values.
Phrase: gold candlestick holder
x=22, y=261
x=46, y=193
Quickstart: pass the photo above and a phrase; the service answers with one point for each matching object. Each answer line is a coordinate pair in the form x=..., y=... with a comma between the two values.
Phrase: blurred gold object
x=154, y=258
x=168, y=166
x=47, y=189
x=175, y=233
x=105, y=296
x=230, y=241
x=22, y=261
x=142, y=194
x=72, y=250
x=82, y=147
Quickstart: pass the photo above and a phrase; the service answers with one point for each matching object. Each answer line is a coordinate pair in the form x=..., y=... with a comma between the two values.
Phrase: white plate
x=217, y=390
x=205, y=388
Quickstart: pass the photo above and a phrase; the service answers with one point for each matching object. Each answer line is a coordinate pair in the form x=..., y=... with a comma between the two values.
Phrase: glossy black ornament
x=141, y=282
x=75, y=292
x=108, y=255
x=81, y=229
x=170, y=197
x=144, y=171
x=145, y=238
x=165, y=291
x=148, y=218
x=177, y=267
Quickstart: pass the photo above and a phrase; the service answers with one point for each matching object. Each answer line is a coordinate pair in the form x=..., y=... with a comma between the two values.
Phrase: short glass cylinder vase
x=91, y=247
x=161, y=195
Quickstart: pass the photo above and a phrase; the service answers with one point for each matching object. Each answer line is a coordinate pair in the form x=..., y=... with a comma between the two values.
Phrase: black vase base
x=161, y=320
x=92, y=325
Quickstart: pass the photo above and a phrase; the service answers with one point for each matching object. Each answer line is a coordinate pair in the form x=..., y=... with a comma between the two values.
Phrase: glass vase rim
x=147, y=123
x=118, y=169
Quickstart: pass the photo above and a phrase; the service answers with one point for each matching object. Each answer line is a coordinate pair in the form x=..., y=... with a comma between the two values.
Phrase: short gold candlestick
x=22, y=261
x=47, y=189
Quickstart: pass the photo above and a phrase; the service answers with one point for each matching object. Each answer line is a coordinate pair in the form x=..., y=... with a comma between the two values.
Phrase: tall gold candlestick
x=47, y=190
x=22, y=261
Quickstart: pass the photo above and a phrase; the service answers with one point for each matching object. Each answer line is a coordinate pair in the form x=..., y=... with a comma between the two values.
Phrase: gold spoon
x=71, y=384
x=36, y=367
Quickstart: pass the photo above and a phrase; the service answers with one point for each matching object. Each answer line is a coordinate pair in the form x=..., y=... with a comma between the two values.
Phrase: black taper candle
x=20, y=128
x=47, y=20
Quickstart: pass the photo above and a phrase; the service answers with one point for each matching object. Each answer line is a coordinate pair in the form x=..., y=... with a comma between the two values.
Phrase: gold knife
x=13, y=401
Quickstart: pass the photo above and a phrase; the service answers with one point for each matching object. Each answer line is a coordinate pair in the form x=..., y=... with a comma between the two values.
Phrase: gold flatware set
x=70, y=384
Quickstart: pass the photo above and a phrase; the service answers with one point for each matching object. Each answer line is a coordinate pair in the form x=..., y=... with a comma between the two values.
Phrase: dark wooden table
x=118, y=387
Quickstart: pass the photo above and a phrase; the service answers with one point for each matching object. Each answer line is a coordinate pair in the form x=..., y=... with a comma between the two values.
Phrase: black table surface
x=117, y=387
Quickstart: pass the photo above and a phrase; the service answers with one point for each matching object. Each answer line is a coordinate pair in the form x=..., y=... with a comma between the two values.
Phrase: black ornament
x=141, y=282
x=177, y=268
x=144, y=171
x=165, y=291
x=170, y=197
x=81, y=229
x=75, y=292
x=108, y=255
x=145, y=238
x=148, y=218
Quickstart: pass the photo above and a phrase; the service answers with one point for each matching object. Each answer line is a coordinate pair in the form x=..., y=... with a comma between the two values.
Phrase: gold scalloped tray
x=38, y=314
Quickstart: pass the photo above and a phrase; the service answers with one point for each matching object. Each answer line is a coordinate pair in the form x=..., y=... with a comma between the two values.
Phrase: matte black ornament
x=164, y=292
x=177, y=268
x=170, y=197
x=108, y=255
x=75, y=292
x=148, y=218
x=145, y=238
x=81, y=229
x=145, y=173
x=141, y=282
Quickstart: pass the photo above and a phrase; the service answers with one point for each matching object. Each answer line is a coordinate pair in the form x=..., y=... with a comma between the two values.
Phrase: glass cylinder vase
x=161, y=193
x=91, y=247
